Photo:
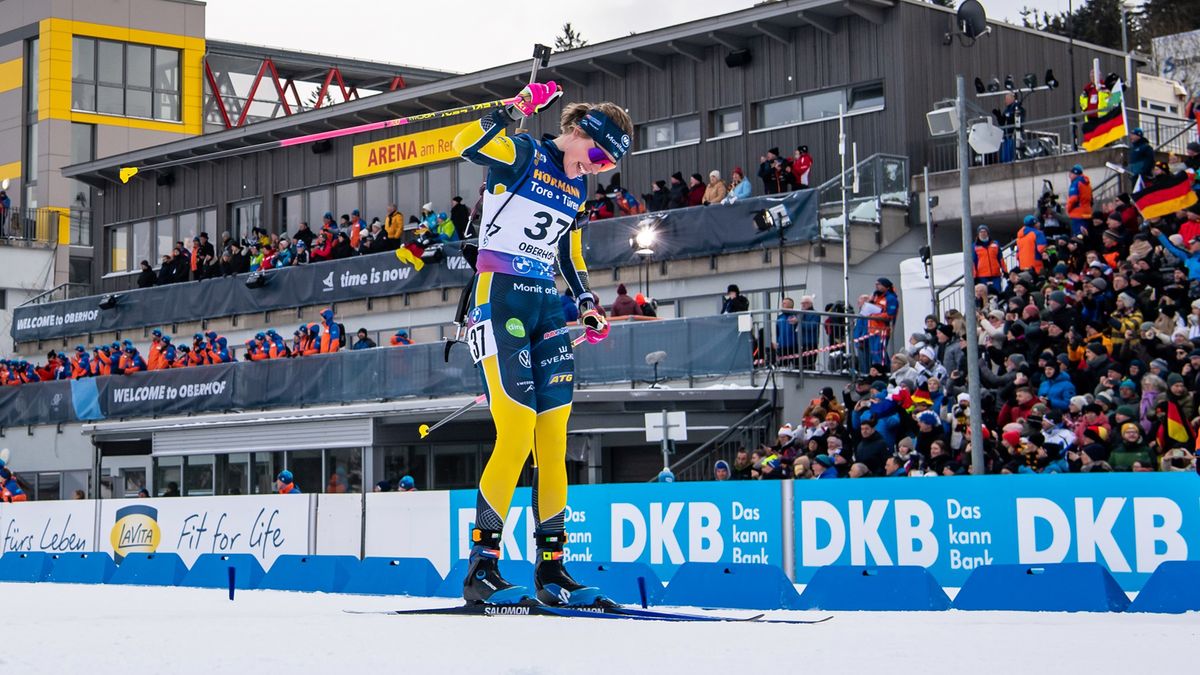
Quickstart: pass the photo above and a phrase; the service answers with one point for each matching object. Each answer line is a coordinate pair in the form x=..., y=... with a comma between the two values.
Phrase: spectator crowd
x=344, y=237
x=1089, y=332
x=124, y=358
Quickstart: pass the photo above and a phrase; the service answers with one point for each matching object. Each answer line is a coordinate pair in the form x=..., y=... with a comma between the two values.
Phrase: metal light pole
x=929, y=270
x=845, y=209
x=1125, y=42
x=1071, y=59
x=964, y=161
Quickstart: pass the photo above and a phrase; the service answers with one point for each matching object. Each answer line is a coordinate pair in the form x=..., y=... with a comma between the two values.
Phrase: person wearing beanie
x=734, y=301
x=1079, y=201
x=823, y=467
x=721, y=470
x=739, y=187
x=1056, y=389
x=880, y=325
x=677, y=192
x=407, y=484
x=1031, y=245
x=696, y=189
x=990, y=268
x=1177, y=393
x=1139, y=160
x=286, y=483
x=659, y=197
x=1129, y=448
x=383, y=486
x=775, y=172
x=929, y=430
x=623, y=305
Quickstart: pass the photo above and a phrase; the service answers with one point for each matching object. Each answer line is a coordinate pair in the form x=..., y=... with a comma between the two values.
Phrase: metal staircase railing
x=751, y=431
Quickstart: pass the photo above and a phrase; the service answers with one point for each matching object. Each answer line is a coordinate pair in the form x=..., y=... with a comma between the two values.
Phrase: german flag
x=1165, y=195
x=1174, y=432
x=1103, y=129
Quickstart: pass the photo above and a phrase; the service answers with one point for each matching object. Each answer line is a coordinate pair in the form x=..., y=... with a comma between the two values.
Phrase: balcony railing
x=31, y=225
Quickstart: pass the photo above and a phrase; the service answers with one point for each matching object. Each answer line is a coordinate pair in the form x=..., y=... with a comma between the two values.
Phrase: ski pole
x=425, y=429
x=128, y=172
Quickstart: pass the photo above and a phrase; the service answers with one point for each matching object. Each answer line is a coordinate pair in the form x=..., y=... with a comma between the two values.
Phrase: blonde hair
x=573, y=112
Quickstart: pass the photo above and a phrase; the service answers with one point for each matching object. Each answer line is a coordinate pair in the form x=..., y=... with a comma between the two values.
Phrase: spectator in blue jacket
x=1190, y=258
x=1056, y=388
x=786, y=336
x=364, y=341
x=570, y=308
x=810, y=331
x=822, y=467
x=1140, y=158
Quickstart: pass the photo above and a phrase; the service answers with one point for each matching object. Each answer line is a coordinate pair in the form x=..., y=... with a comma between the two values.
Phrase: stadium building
x=716, y=93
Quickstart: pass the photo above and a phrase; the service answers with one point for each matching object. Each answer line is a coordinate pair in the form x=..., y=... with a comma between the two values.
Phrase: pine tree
x=1167, y=17
x=1096, y=21
x=569, y=39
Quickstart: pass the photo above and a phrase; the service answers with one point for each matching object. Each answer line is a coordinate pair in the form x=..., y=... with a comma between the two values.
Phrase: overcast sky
x=465, y=35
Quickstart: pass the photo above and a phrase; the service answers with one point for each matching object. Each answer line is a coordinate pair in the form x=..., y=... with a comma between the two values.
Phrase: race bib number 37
x=481, y=340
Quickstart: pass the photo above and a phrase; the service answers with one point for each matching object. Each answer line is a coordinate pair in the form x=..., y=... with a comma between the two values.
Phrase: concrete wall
x=24, y=273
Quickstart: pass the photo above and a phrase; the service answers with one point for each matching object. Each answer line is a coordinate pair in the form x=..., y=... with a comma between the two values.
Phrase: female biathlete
x=532, y=214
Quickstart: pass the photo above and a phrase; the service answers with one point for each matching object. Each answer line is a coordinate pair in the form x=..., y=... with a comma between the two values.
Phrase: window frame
x=847, y=93
x=716, y=126
x=158, y=94
x=644, y=129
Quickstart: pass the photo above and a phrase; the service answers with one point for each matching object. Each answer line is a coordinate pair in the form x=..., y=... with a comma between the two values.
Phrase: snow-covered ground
x=59, y=628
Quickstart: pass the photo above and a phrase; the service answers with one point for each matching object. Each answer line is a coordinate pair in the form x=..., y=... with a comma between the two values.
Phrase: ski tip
x=423, y=430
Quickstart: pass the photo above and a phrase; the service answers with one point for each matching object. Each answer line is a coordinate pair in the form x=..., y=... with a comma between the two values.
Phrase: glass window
x=343, y=470
x=110, y=62
x=110, y=100
x=208, y=222
x=168, y=476
x=406, y=460
x=187, y=227
x=138, y=66
x=375, y=204
x=234, y=473
x=141, y=242
x=32, y=59
x=166, y=106
x=48, y=486
x=657, y=135
x=137, y=103
x=305, y=466
x=455, y=466
x=823, y=104
x=777, y=113
x=132, y=480
x=347, y=198
x=83, y=59
x=245, y=218
x=31, y=155
x=408, y=194
x=290, y=205
x=318, y=205
x=76, y=481
x=81, y=142
x=265, y=470
x=164, y=236
x=83, y=96
x=687, y=129
x=727, y=122
x=198, y=475
x=118, y=249
x=439, y=187
x=866, y=96
x=166, y=69
x=470, y=179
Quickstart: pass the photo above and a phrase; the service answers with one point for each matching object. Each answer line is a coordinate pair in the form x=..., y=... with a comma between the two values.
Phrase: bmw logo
x=522, y=265
x=475, y=316
x=523, y=357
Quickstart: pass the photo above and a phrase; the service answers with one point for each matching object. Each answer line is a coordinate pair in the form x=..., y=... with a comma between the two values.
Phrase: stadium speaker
x=165, y=178
x=738, y=58
x=321, y=147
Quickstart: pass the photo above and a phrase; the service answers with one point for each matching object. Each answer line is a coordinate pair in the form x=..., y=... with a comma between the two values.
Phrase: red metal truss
x=231, y=118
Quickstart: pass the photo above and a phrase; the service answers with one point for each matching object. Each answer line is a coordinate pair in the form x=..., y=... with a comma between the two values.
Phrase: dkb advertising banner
x=1127, y=522
x=266, y=526
x=53, y=527
x=664, y=525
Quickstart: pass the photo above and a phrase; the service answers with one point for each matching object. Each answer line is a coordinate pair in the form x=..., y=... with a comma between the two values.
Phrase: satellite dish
x=972, y=19
x=985, y=138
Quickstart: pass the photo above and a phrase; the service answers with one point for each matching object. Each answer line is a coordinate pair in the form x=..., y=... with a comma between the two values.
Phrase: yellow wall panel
x=12, y=74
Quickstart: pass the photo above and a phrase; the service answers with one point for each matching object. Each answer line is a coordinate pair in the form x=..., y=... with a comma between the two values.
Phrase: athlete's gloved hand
x=595, y=325
x=534, y=98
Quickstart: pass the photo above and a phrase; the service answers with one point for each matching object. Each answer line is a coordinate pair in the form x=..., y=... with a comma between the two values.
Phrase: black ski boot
x=554, y=585
x=483, y=584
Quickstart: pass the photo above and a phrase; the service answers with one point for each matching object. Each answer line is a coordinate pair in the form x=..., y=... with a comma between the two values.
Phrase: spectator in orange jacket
x=1079, y=201
x=80, y=363
x=331, y=333
x=155, y=360
x=401, y=338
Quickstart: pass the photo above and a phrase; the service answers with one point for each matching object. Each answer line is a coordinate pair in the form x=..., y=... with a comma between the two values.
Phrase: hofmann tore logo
x=135, y=531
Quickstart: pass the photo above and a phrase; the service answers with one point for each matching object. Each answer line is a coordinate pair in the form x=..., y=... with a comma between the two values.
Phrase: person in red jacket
x=1020, y=409
x=695, y=195
x=624, y=305
x=1079, y=201
x=801, y=168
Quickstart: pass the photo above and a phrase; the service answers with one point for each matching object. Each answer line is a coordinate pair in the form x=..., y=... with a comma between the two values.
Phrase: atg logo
x=135, y=531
